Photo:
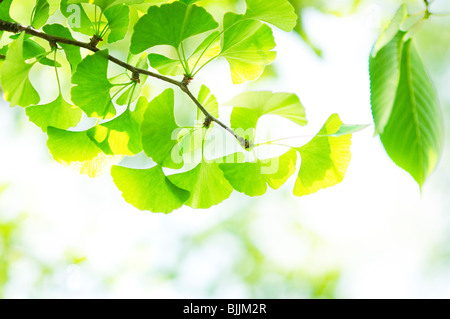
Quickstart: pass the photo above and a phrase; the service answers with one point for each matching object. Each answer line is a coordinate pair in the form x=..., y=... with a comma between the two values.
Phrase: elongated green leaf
x=16, y=84
x=148, y=189
x=247, y=46
x=160, y=130
x=92, y=90
x=391, y=30
x=170, y=24
x=325, y=159
x=72, y=52
x=206, y=183
x=250, y=106
x=58, y=114
x=252, y=178
x=78, y=151
x=413, y=135
x=384, y=76
x=277, y=12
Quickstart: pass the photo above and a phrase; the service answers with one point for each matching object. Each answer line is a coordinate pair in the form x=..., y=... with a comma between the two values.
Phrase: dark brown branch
x=92, y=46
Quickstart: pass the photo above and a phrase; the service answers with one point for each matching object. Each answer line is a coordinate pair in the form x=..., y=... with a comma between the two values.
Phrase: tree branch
x=91, y=46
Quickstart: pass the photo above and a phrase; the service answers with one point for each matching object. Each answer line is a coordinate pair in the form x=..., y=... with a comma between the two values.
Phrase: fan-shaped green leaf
x=160, y=131
x=58, y=114
x=209, y=102
x=206, y=183
x=165, y=65
x=325, y=159
x=78, y=151
x=247, y=46
x=16, y=84
x=120, y=136
x=277, y=12
x=252, y=178
x=170, y=24
x=148, y=189
x=413, y=135
x=92, y=90
x=250, y=106
x=118, y=19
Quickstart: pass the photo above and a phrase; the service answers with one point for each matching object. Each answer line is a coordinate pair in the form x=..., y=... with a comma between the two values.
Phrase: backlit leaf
x=159, y=131
x=206, y=183
x=58, y=114
x=92, y=90
x=247, y=46
x=325, y=159
x=78, y=151
x=277, y=12
x=16, y=84
x=170, y=24
x=148, y=189
x=413, y=136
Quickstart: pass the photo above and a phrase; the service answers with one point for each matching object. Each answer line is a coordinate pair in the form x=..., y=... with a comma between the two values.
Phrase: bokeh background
x=376, y=235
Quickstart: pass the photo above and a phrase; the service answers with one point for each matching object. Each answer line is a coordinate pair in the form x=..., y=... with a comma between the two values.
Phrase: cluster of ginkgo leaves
x=194, y=38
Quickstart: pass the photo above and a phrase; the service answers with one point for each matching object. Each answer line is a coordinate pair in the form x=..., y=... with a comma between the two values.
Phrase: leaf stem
x=56, y=72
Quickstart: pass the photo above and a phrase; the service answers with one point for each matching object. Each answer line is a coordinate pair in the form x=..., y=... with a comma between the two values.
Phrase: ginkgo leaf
x=252, y=178
x=277, y=12
x=58, y=114
x=250, y=106
x=148, y=189
x=209, y=102
x=72, y=52
x=247, y=46
x=120, y=136
x=413, y=136
x=16, y=84
x=165, y=65
x=170, y=24
x=160, y=131
x=206, y=184
x=78, y=151
x=325, y=159
x=118, y=20
x=384, y=77
x=106, y=4
x=92, y=90
x=77, y=19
